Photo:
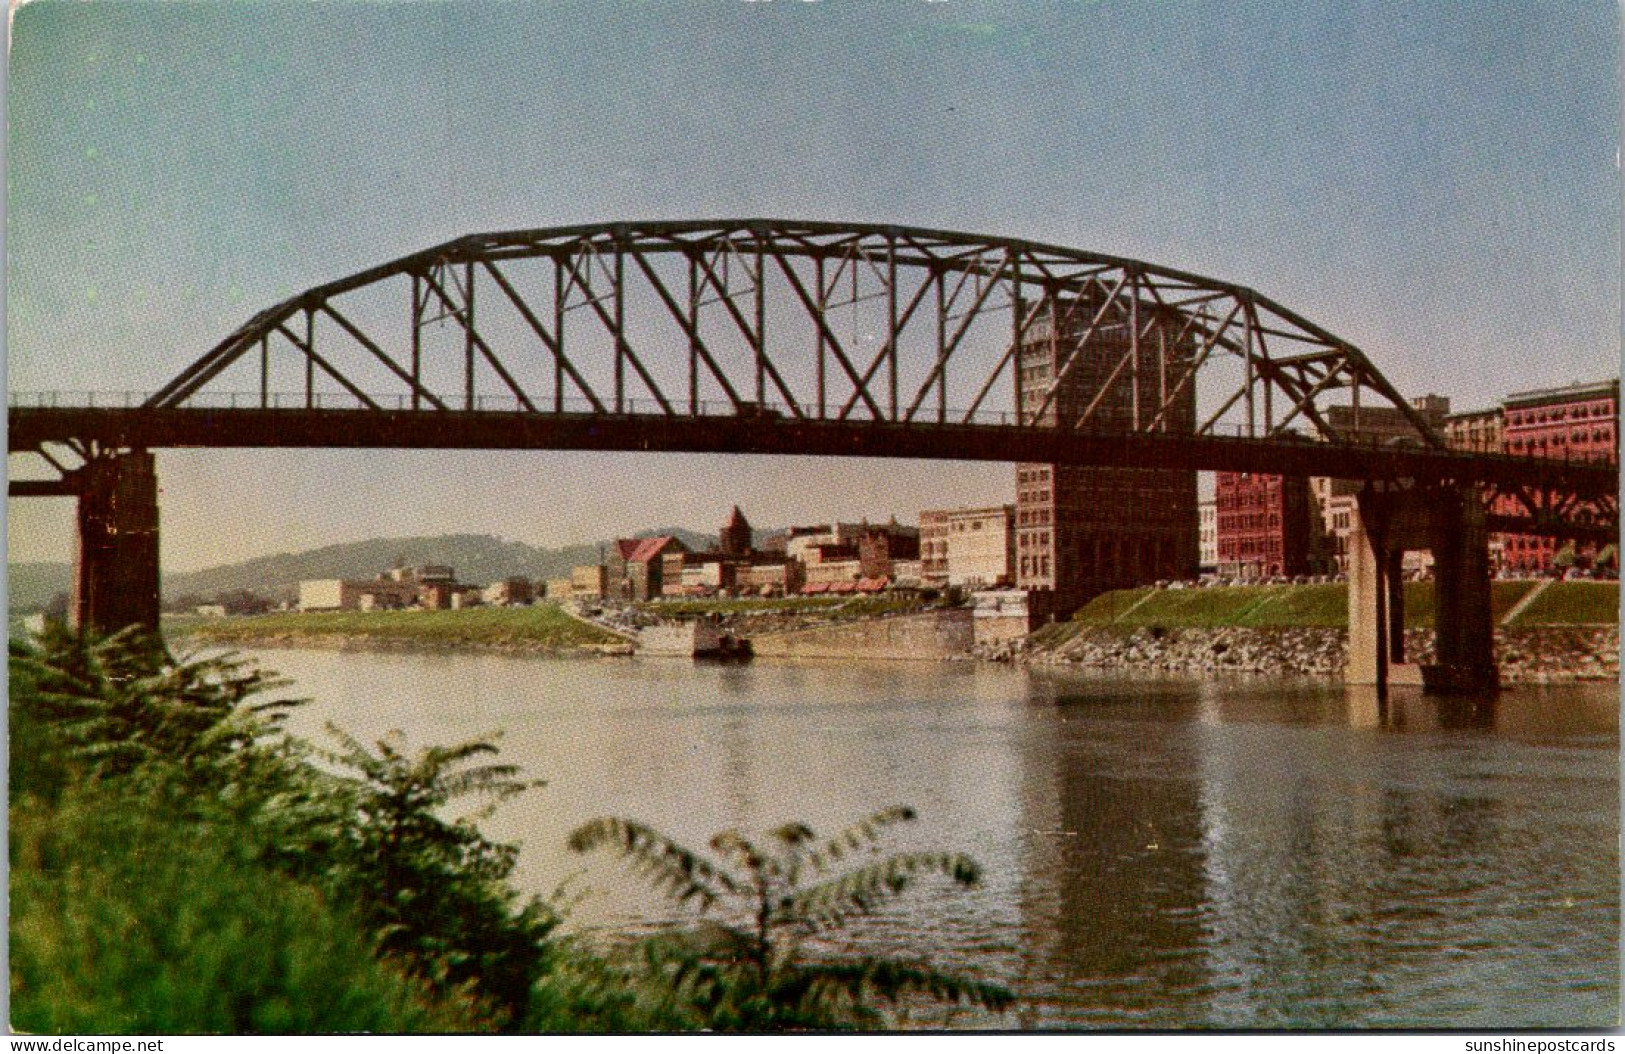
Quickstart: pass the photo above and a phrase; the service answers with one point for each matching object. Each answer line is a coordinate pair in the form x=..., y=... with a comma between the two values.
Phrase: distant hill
x=30, y=587
x=477, y=558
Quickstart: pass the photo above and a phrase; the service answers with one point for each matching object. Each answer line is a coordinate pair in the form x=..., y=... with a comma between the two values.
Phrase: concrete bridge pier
x=115, y=559
x=1449, y=521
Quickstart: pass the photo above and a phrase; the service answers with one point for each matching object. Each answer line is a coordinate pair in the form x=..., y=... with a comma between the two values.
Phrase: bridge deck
x=145, y=428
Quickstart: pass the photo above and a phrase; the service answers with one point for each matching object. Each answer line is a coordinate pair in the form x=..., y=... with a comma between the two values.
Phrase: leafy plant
x=116, y=703
x=746, y=970
x=435, y=890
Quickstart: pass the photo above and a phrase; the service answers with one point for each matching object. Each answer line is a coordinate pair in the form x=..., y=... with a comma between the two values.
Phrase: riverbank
x=543, y=629
x=1568, y=631
x=1529, y=655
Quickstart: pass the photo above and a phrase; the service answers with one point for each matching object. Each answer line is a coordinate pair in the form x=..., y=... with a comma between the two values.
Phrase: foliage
x=124, y=920
x=747, y=971
x=187, y=740
x=119, y=702
x=435, y=890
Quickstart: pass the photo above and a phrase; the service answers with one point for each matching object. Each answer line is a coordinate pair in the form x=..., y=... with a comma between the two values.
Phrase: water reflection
x=1159, y=852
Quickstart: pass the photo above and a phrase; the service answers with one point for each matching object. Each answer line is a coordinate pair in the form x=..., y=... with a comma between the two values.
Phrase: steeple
x=735, y=536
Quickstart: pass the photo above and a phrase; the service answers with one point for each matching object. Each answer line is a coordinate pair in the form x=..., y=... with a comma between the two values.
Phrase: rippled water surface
x=1158, y=852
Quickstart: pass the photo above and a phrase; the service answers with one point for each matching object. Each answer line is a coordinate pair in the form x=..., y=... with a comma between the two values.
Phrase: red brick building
x=1265, y=525
x=1083, y=531
x=1576, y=423
x=635, y=570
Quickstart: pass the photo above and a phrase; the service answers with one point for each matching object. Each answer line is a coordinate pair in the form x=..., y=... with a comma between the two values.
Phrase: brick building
x=1475, y=430
x=1264, y=525
x=1082, y=531
x=879, y=547
x=1575, y=423
x=635, y=568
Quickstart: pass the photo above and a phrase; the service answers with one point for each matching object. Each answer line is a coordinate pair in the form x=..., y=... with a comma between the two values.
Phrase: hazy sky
x=1436, y=182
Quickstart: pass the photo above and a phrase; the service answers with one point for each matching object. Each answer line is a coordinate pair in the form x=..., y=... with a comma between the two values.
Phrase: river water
x=1158, y=852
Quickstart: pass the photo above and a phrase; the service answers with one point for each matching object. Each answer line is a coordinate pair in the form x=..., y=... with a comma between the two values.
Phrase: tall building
x=1265, y=525
x=1082, y=531
x=1576, y=423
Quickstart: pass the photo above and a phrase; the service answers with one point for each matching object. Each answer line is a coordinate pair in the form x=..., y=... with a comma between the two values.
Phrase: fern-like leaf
x=678, y=872
x=858, y=892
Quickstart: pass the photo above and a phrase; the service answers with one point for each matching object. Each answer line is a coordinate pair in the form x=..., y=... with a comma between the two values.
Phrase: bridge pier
x=115, y=558
x=1450, y=522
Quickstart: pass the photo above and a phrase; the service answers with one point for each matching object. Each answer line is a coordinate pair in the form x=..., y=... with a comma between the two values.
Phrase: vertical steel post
x=620, y=330
x=1269, y=385
x=265, y=370
x=558, y=333
x=1018, y=312
x=694, y=339
x=1134, y=349
x=761, y=321
x=942, y=347
x=1252, y=372
x=468, y=336
x=417, y=340
x=310, y=360
x=823, y=321
x=891, y=308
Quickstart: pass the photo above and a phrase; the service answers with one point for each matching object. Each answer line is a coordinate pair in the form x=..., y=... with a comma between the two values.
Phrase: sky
x=1437, y=183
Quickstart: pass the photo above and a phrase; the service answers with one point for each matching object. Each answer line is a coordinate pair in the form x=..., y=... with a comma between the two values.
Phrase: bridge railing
x=631, y=407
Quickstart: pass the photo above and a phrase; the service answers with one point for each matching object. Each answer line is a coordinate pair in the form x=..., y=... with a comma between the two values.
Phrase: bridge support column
x=115, y=565
x=1465, y=650
x=1369, y=625
x=1450, y=522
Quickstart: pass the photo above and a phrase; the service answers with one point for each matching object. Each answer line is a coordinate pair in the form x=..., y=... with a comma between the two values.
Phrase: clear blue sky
x=1436, y=182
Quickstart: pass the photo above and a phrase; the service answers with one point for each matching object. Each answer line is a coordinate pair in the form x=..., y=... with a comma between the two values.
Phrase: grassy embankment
x=1324, y=606
x=542, y=627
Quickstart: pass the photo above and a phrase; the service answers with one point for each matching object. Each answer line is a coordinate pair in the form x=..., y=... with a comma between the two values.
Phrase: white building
x=1207, y=513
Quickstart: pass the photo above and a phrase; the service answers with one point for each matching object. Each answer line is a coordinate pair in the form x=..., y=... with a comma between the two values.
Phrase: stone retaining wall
x=1545, y=653
x=933, y=635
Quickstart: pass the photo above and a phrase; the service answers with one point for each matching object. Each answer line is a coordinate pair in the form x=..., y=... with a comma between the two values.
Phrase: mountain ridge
x=476, y=558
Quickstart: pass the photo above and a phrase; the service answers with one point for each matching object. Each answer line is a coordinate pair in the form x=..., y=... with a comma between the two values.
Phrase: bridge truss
x=801, y=327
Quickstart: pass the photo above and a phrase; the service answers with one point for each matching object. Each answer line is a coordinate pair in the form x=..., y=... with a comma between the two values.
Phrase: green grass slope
x=543, y=626
x=1264, y=607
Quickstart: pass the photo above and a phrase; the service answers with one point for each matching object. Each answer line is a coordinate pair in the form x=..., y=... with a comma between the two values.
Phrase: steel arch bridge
x=779, y=336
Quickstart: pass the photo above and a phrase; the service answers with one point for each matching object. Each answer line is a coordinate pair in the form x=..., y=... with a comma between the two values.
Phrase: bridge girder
x=820, y=320
x=806, y=337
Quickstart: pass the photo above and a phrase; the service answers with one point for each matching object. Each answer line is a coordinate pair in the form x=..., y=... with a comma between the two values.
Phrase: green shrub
x=126, y=921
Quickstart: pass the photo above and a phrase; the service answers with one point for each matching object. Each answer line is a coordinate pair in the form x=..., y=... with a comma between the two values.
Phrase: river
x=1158, y=852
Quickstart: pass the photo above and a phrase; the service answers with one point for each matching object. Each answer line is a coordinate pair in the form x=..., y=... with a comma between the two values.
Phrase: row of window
x=1552, y=414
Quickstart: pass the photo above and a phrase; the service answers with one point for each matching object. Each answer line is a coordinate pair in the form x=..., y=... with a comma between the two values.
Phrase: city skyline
x=1425, y=183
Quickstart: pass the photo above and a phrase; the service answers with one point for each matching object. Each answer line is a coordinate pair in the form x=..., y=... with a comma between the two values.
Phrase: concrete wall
x=933, y=635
